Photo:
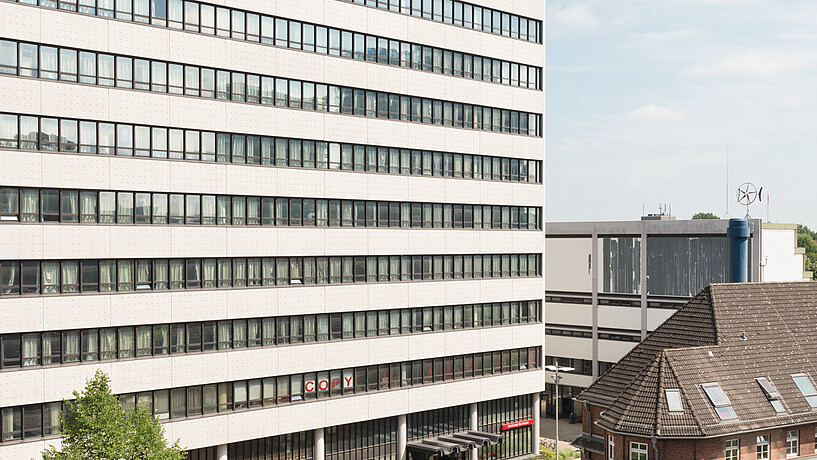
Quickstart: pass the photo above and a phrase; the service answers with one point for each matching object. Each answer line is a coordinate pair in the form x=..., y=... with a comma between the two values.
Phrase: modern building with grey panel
x=608, y=284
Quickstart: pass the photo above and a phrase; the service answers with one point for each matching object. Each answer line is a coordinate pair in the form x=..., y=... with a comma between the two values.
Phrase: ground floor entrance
x=499, y=429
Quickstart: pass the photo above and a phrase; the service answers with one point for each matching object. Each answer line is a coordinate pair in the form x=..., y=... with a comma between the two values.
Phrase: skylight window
x=807, y=388
x=674, y=400
x=719, y=399
x=771, y=393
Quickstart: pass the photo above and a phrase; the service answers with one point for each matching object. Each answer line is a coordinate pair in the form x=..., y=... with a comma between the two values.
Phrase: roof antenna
x=767, y=208
x=727, y=182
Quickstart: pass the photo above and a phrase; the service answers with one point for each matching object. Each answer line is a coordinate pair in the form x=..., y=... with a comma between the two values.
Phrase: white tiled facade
x=38, y=169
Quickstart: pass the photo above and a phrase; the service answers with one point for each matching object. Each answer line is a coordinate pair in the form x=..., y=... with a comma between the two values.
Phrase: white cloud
x=572, y=18
x=657, y=112
x=758, y=62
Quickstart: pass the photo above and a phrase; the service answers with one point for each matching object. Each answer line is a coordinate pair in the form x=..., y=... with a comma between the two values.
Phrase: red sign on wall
x=510, y=426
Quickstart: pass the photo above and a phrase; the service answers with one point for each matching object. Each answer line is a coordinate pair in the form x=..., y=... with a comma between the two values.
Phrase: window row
x=108, y=207
x=368, y=439
x=464, y=14
x=565, y=298
x=73, y=276
x=91, y=345
x=293, y=446
x=210, y=19
x=437, y=422
x=32, y=421
x=67, y=64
x=621, y=335
x=492, y=414
x=69, y=135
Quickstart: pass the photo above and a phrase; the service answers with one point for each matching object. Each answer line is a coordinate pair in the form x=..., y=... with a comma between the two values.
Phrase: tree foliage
x=96, y=427
x=705, y=215
x=805, y=239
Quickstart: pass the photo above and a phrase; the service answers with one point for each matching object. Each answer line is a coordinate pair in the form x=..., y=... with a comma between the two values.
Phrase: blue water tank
x=738, y=236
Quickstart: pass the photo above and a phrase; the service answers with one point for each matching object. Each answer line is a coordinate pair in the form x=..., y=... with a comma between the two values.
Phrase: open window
x=719, y=400
x=771, y=394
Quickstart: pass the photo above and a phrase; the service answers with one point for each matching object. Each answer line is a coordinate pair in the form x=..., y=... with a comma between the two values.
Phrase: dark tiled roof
x=704, y=342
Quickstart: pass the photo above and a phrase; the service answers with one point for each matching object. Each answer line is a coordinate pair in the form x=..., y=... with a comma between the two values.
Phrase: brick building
x=730, y=376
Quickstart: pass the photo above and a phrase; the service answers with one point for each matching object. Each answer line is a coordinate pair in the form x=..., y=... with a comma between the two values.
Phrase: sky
x=646, y=98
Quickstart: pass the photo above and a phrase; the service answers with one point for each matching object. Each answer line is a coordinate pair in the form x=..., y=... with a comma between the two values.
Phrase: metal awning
x=591, y=443
x=455, y=442
x=494, y=438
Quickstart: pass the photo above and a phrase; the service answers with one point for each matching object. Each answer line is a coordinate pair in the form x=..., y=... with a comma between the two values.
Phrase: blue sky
x=645, y=98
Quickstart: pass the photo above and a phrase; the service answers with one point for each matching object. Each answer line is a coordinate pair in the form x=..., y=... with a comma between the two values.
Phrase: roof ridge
x=646, y=351
x=712, y=309
x=662, y=356
x=683, y=391
x=627, y=399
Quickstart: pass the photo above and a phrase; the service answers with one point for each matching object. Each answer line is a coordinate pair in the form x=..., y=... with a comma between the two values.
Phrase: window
x=674, y=400
x=792, y=443
x=611, y=448
x=732, y=448
x=719, y=400
x=638, y=451
x=763, y=447
x=771, y=394
x=807, y=388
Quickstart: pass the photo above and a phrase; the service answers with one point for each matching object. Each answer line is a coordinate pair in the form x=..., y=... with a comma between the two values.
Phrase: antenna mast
x=727, y=182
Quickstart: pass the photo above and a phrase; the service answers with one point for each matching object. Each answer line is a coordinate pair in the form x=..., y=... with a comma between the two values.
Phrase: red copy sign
x=510, y=426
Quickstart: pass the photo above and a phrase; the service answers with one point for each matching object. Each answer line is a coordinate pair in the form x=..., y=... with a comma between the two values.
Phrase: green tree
x=96, y=427
x=805, y=239
x=705, y=215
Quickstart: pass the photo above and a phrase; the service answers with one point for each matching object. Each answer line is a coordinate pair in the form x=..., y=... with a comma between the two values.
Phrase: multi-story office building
x=295, y=229
x=609, y=284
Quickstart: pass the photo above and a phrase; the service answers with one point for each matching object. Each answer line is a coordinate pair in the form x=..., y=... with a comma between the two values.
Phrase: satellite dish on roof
x=748, y=194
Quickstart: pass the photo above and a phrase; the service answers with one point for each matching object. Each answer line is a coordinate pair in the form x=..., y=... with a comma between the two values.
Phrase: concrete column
x=402, y=437
x=536, y=420
x=320, y=452
x=594, y=287
x=221, y=452
x=474, y=426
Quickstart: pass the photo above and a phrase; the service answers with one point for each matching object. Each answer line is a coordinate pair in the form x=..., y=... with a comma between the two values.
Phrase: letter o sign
x=323, y=385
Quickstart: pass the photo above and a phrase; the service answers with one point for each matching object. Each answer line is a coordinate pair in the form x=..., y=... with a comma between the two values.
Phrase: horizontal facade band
x=133, y=207
x=216, y=20
x=23, y=314
x=51, y=134
x=467, y=15
x=20, y=351
x=37, y=96
x=102, y=69
x=218, y=399
x=55, y=277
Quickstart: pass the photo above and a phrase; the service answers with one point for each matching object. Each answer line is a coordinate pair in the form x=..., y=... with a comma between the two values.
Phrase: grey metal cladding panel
x=621, y=267
x=683, y=266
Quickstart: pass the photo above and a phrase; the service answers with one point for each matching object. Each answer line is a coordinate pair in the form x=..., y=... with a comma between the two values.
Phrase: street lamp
x=556, y=378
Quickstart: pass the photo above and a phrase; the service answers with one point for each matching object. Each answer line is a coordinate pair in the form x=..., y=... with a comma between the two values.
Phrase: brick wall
x=701, y=449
